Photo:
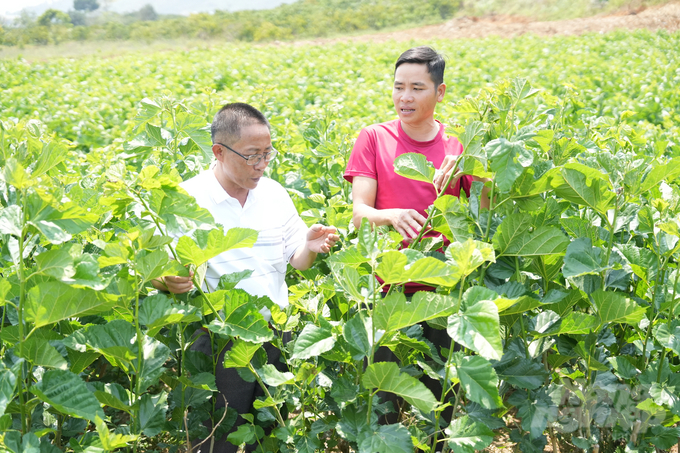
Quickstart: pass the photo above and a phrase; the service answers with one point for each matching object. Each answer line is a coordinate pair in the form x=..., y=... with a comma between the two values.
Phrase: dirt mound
x=665, y=17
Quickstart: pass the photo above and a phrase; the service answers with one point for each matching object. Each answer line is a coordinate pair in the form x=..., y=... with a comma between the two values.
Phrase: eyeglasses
x=255, y=158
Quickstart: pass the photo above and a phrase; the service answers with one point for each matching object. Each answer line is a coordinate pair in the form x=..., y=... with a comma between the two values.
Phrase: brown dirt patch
x=664, y=17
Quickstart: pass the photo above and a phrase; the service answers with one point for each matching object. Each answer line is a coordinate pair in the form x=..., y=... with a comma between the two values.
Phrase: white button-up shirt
x=269, y=210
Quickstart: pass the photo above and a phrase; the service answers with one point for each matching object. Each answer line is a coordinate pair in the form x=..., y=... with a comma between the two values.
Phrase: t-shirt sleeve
x=362, y=160
x=294, y=228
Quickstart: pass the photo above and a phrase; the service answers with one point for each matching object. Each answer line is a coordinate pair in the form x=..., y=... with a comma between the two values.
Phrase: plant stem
x=442, y=398
x=269, y=395
x=612, y=228
x=20, y=312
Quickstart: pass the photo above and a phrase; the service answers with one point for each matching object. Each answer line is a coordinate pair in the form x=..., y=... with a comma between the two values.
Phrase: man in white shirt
x=237, y=194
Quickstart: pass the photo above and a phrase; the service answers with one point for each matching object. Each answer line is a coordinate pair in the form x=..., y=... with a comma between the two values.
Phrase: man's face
x=414, y=94
x=236, y=175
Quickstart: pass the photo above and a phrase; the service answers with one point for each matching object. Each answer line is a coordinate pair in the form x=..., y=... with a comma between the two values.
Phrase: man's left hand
x=321, y=238
x=442, y=175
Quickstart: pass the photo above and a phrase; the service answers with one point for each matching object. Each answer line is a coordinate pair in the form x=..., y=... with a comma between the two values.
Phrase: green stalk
x=524, y=337
x=269, y=395
x=442, y=398
x=20, y=313
x=140, y=365
x=370, y=356
x=612, y=227
x=430, y=214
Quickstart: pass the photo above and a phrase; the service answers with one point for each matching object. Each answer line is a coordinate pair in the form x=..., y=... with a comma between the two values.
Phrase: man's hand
x=442, y=175
x=174, y=284
x=320, y=238
x=407, y=222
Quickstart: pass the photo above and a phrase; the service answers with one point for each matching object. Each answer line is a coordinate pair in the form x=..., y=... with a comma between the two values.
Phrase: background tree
x=85, y=5
x=53, y=16
x=147, y=12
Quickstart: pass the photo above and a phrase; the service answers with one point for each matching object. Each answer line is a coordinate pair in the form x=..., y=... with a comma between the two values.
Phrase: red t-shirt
x=373, y=157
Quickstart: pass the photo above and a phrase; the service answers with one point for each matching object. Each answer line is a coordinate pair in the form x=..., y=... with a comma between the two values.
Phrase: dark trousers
x=440, y=339
x=239, y=394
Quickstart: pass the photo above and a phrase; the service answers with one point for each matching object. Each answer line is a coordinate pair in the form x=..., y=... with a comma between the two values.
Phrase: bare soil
x=664, y=17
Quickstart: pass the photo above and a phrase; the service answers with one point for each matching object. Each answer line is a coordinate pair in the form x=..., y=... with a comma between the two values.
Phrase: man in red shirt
x=379, y=194
x=384, y=197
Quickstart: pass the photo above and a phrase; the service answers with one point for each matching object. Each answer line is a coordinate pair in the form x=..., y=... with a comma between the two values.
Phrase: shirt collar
x=218, y=194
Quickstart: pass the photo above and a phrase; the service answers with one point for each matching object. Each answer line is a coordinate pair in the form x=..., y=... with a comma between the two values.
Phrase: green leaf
x=115, y=396
x=10, y=220
x=152, y=411
x=181, y=214
x=660, y=172
x=582, y=259
x=273, y=377
x=8, y=381
x=513, y=238
x=51, y=155
x=115, y=340
x=392, y=267
x=432, y=271
x=469, y=255
x=240, y=354
x=508, y=160
x=573, y=323
x=358, y=332
x=388, y=439
x=386, y=377
x=16, y=175
x=68, y=394
x=155, y=356
x=209, y=244
x=158, y=264
x=158, y=311
x=112, y=441
x=617, y=308
x=50, y=302
x=584, y=186
x=477, y=327
x=479, y=380
x=467, y=436
x=39, y=352
x=313, y=341
x=522, y=372
x=624, y=367
x=535, y=411
x=242, y=318
x=664, y=437
x=414, y=166
x=453, y=222
x=668, y=336
x=394, y=312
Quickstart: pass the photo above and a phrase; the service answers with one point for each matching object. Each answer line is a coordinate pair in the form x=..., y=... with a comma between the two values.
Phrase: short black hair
x=233, y=117
x=433, y=61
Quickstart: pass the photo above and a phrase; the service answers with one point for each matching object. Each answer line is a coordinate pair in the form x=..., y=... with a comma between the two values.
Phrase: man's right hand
x=407, y=222
x=174, y=284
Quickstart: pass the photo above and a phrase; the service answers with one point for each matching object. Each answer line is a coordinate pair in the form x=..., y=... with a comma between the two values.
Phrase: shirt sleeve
x=362, y=160
x=294, y=228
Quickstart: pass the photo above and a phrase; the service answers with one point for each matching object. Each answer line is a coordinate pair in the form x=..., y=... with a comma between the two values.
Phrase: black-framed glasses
x=255, y=158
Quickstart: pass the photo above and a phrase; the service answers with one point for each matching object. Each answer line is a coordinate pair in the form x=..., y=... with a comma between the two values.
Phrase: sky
x=14, y=6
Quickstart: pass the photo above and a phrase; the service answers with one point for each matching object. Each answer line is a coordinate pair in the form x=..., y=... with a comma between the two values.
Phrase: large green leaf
x=660, y=172
x=467, y=436
x=358, y=332
x=159, y=311
x=469, y=255
x=8, y=381
x=39, y=352
x=50, y=302
x=155, y=355
x=388, y=439
x=58, y=224
x=453, y=222
x=242, y=318
x=508, y=159
x=240, y=354
x=114, y=395
x=273, y=377
x=392, y=267
x=513, y=238
x=394, y=312
x=115, y=340
x=51, y=155
x=617, y=308
x=67, y=393
x=477, y=327
x=414, y=166
x=158, y=264
x=582, y=259
x=584, y=186
x=573, y=323
x=386, y=377
x=432, y=271
x=535, y=409
x=313, y=341
x=180, y=212
x=152, y=411
x=10, y=220
x=110, y=440
x=479, y=380
x=668, y=336
x=208, y=244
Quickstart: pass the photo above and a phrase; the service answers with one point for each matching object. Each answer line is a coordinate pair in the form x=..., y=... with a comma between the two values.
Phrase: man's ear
x=217, y=151
x=441, y=91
